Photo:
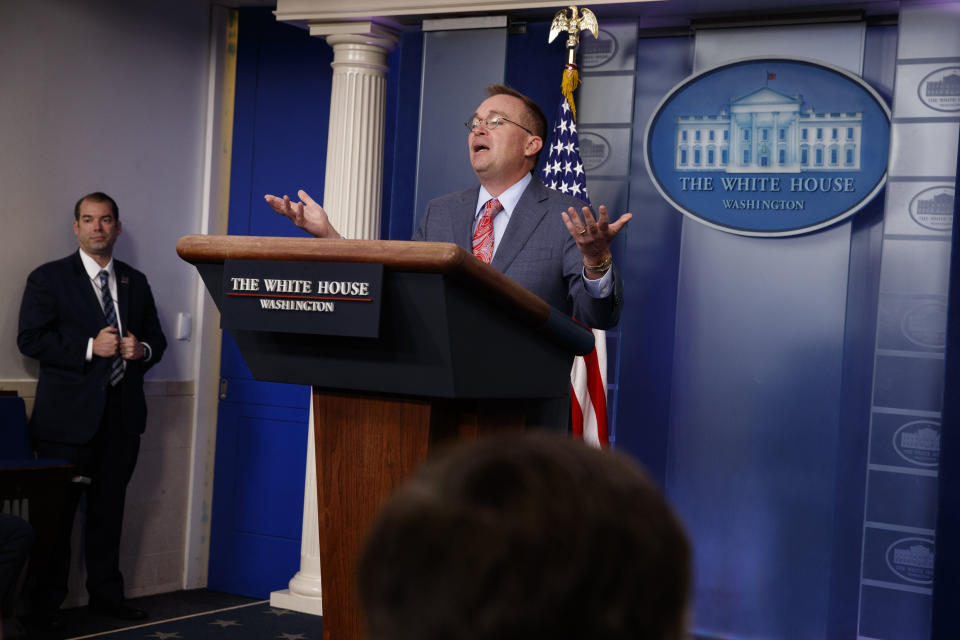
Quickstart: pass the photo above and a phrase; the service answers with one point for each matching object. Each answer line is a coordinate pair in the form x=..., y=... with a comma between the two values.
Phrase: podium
x=461, y=350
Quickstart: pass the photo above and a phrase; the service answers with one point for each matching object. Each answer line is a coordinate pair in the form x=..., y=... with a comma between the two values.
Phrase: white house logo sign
x=769, y=147
x=940, y=90
x=932, y=208
x=912, y=560
x=594, y=150
x=595, y=52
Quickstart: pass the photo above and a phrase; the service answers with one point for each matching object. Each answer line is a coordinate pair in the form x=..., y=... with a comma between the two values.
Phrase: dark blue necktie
x=116, y=366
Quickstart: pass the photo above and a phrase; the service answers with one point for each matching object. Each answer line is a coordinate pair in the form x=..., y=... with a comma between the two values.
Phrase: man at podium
x=549, y=242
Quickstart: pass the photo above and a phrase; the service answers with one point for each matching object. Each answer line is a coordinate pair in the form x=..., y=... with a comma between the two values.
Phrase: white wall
x=102, y=95
x=112, y=95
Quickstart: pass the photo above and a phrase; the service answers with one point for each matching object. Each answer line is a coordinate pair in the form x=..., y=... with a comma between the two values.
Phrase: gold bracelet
x=603, y=267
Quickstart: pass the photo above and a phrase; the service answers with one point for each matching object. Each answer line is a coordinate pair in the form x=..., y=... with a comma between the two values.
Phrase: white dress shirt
x=93, y=272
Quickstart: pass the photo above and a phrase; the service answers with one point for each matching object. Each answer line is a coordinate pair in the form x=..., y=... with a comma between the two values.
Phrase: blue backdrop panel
x=859, y=341
x=900, y=499
x=946, y=614
x=753, y=439
x=896, y=614
x=402, y=130
x=534, y=67
x=457, y=65
x=747, y=338
x=909, y=499
x=915, y=266
x=909, y=383
x=651, y=245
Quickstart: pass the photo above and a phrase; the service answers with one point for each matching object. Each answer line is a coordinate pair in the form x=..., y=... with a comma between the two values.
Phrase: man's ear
x=534, y=144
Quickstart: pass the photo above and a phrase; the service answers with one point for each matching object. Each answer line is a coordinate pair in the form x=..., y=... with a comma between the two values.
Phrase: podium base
x=304, y=604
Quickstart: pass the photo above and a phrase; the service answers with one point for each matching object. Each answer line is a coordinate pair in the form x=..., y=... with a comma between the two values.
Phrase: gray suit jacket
x=536, y=251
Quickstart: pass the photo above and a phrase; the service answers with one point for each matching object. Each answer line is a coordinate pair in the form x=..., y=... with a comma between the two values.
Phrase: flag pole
x=564, y=170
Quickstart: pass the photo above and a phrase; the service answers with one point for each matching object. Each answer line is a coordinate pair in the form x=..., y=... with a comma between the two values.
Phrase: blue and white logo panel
x=924, y=325
x=919, y=208
x=597, y=52
x=940, y=89
x=932, y=208
x=932, y=90
x=918, y=443
x=893, y=557
x=911, y=559
x=769, y=147
x=605, y=152
x=614, y=50
x=912, y=322
x=595, y=150
x=906, y=441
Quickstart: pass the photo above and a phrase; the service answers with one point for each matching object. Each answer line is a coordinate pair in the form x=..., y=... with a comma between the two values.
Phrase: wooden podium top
x=396, y=255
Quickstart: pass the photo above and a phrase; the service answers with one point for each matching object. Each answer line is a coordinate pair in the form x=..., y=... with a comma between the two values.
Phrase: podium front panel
x=437, y=339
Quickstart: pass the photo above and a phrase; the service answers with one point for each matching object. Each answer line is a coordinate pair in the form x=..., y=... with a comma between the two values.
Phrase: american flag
x=563, y=170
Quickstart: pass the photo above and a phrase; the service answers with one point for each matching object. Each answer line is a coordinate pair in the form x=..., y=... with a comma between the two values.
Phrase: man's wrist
x=599, y=287
x=600, y=268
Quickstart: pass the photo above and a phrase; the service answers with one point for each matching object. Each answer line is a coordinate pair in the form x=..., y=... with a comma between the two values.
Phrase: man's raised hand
x=306, y=214
x=594, y=235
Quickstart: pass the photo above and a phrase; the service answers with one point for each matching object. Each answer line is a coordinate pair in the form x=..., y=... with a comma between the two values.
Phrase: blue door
x=278, y=146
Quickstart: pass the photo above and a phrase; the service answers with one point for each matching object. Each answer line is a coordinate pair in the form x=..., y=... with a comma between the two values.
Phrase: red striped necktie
x=483, y=236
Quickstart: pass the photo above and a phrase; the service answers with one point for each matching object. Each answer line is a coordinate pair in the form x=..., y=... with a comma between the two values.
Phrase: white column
x=305, y=593
x=354, y=176
x=352, y=194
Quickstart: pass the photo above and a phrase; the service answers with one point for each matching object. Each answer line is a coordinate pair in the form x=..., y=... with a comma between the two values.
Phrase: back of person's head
x=526, y=536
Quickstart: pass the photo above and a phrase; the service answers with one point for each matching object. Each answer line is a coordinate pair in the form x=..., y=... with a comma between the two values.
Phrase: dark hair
x=536, y=120
x=96, y=196
x=526, y=536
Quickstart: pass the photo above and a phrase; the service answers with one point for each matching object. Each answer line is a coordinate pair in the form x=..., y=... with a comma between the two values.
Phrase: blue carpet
x=257, y=620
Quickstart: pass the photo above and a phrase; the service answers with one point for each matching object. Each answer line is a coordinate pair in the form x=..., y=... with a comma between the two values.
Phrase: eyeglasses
x=492, y=123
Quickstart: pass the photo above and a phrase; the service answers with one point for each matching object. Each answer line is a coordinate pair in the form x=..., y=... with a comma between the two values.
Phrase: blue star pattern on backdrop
x=563, y=169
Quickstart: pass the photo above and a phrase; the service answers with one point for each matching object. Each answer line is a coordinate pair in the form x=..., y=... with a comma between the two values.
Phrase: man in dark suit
x=92, y=323
x=563, y=259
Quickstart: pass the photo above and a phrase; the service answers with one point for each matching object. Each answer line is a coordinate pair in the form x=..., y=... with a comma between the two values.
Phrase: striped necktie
x=116, y=366
x=483, y=236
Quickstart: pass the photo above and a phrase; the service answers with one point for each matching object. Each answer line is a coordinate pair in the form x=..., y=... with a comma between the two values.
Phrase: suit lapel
x=526, y=216
x=462, y=220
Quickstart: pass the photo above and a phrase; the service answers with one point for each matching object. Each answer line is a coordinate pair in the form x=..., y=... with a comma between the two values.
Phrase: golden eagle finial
x=578, y=20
